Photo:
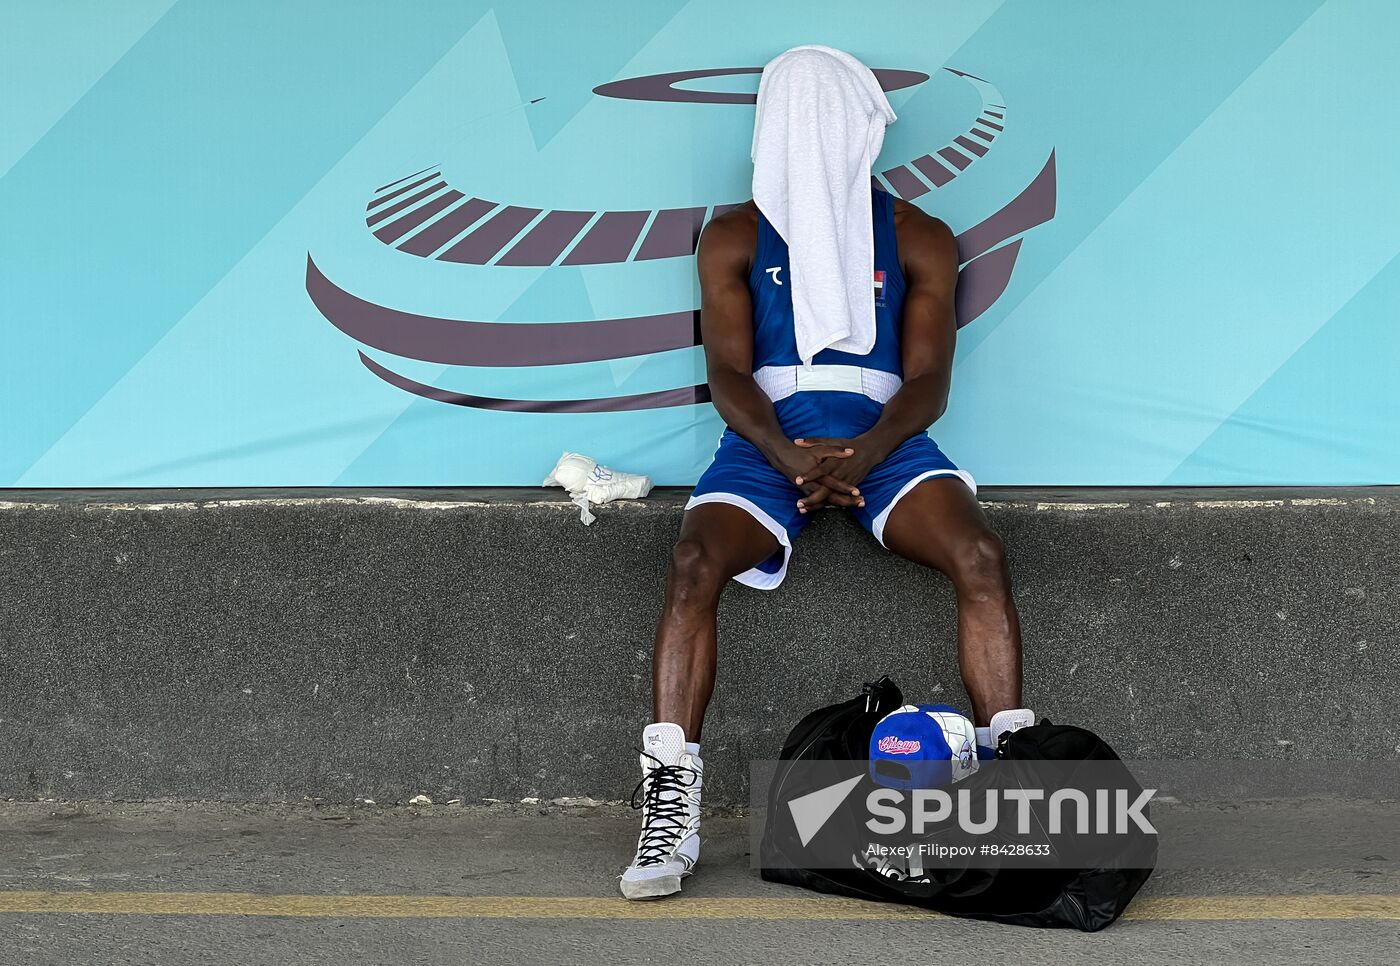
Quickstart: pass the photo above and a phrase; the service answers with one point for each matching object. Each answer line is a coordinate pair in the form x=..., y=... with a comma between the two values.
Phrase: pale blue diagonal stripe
x=161, y=177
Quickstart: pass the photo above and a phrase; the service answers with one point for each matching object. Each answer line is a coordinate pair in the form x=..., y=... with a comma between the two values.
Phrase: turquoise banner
x=370, y=243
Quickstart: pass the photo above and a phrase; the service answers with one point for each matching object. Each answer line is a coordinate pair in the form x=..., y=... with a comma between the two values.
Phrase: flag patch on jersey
x=879, y=282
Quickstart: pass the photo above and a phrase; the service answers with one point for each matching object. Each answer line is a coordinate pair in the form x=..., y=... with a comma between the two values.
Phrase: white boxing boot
x=669, y=845
x=989, y=738
x=1013, y=720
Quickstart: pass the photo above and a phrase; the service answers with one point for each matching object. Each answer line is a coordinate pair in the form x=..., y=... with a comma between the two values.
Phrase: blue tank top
x=826, y=413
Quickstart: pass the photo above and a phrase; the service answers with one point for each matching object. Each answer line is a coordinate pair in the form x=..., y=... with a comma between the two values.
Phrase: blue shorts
x=740, y=476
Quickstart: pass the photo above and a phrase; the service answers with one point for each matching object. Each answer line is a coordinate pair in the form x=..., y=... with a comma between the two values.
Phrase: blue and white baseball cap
x=922, y=746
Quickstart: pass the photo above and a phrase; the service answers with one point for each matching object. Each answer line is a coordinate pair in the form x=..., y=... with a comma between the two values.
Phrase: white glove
x=588, y=482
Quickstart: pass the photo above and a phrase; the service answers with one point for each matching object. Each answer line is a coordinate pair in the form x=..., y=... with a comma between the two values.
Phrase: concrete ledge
x=341, y=644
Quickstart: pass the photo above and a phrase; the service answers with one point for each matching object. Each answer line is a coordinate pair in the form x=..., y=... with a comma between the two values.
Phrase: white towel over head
x=819, y=127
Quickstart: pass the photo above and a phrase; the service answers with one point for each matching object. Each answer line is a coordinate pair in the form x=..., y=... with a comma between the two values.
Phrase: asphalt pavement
x=536, y=883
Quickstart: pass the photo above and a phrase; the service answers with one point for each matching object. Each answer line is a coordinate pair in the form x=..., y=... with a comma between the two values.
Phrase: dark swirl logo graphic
x=421, y=214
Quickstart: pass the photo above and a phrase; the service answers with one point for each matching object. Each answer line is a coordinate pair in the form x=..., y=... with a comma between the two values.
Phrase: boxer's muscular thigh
x=723, y=540
x=936, y=522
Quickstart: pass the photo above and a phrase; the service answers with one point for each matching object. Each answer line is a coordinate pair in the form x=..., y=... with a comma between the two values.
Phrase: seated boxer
x=833, y=428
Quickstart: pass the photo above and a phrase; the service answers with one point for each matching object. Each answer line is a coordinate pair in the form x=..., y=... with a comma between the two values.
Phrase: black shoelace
x=664, y=805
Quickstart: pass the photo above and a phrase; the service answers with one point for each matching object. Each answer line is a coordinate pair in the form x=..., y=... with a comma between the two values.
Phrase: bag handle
x=874, y=691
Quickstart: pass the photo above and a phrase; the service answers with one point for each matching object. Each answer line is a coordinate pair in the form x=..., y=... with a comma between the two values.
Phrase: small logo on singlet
x=774, y=272
x=879, y=286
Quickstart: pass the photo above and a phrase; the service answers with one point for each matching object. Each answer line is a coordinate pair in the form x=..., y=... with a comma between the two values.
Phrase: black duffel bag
x=1086, y=899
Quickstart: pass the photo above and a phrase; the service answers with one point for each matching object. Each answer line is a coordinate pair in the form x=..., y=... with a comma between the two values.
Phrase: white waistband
x=779, y=382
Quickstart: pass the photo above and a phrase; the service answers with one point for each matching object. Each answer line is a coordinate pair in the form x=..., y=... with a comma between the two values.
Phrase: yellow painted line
x=1165, y=908
x=447, y=907
x=1226, y=908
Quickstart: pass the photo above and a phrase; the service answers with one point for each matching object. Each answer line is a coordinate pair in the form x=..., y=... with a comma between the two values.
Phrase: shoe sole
x=654, y=888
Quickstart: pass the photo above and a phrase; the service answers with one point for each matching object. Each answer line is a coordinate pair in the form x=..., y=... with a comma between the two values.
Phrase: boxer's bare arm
x=726, y=326
x=928, y=329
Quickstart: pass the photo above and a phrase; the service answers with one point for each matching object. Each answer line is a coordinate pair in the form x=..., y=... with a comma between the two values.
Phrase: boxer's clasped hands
x=829, y=471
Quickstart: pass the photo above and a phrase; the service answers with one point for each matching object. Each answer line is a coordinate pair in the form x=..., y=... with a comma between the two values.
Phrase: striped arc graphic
x=986, y=258
x=939, y=167
x=432, y=220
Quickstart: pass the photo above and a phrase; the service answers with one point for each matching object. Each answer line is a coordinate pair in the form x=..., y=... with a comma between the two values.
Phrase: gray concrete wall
x=251, y=645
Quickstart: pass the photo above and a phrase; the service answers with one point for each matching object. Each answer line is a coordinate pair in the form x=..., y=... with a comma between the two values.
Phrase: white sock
x=984, y=737
x=693, y=747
